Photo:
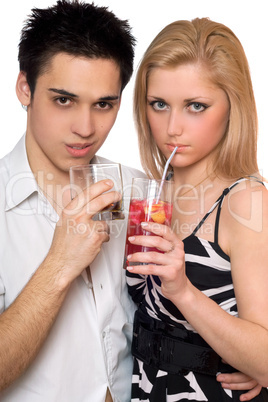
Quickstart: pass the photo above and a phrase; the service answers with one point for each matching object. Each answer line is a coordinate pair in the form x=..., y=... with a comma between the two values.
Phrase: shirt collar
x=96, y=159
x=21, y=183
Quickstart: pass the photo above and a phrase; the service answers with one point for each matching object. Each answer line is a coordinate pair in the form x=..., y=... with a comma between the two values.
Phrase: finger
x=102, y=202
x=157, y=259
x=232, y=378
x=85, y=204
x=145, y=269
x=237, y=386
x=89, y=193
x=160, y=230
x=251, y=394
x=152, y=241
x=144, y=257
x=164, y=232
x=237, y=378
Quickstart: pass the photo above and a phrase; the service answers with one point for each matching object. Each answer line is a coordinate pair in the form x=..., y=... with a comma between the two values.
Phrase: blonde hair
x=214, y=46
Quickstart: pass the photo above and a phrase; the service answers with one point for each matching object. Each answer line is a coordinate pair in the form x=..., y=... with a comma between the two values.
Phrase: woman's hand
x=168, y=264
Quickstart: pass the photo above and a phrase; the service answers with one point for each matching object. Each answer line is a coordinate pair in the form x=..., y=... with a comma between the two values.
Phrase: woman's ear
x=23, y=90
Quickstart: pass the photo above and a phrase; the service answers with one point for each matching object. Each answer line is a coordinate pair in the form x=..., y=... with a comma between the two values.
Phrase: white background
x=247, y=18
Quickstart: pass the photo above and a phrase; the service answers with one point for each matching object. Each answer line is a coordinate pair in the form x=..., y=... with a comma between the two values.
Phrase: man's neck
x=53, y=182
x=56, y=191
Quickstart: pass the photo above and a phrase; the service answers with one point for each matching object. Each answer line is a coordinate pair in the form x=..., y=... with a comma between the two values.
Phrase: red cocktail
x=145, y=211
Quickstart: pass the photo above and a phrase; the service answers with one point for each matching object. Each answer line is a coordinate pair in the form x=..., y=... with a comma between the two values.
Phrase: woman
x=203, y=301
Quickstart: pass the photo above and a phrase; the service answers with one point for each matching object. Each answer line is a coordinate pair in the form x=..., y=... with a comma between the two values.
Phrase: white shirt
x=88, y=348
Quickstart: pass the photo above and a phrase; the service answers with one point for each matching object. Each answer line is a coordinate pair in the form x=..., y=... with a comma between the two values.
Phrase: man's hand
x=78, y=238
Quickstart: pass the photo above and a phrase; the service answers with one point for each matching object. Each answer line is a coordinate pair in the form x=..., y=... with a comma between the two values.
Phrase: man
x=66, y=322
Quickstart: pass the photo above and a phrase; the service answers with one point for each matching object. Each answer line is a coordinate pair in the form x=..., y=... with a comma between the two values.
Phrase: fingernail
x=131, y=238
x=109, y=183
x=129, y=256
x=144, y=223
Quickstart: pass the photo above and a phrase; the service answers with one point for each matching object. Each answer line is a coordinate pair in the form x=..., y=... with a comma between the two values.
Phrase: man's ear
x=23, y=90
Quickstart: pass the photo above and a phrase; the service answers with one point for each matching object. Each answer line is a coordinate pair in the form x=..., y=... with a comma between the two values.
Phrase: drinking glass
x=83, y=176
x=147, y=205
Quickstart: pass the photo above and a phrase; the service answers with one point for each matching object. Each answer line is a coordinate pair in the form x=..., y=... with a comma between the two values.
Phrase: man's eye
x=63, y=100
x=104, y=105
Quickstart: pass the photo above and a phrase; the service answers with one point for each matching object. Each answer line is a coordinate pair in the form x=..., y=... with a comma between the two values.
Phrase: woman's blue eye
x=158, y=105
x=197, y=107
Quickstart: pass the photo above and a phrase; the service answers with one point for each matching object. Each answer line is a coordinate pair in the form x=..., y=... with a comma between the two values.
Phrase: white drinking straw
x=165, y=172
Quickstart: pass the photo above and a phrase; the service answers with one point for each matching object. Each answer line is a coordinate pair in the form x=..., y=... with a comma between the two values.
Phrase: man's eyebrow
x=109, y=98
x=62, y=92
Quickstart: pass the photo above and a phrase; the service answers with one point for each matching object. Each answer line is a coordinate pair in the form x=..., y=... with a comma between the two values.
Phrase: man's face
x=74, y=107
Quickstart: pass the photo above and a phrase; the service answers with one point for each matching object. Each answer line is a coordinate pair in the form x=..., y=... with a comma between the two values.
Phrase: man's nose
x=84, y=123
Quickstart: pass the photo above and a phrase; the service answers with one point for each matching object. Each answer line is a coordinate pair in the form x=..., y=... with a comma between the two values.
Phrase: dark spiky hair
x=79, y=29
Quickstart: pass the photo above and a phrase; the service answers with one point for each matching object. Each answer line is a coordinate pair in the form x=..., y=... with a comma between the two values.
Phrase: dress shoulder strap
x=218, y=205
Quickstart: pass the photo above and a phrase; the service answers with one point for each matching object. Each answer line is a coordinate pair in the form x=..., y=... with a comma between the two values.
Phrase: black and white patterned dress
x=209, y=269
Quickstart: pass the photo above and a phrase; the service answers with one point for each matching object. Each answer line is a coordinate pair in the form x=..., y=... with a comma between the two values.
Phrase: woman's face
x=185, y=109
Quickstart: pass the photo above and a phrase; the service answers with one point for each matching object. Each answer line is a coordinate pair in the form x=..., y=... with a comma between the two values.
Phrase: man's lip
x=78, y=150
x=79, y=145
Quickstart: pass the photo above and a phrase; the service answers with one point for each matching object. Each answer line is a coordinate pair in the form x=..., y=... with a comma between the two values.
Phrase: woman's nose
x=175, y=124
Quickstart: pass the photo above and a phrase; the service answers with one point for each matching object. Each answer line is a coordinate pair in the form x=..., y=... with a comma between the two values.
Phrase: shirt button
x=103, y=334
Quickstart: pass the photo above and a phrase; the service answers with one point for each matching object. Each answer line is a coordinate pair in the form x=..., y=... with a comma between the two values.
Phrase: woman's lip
x=78, y=150
x=180, y=147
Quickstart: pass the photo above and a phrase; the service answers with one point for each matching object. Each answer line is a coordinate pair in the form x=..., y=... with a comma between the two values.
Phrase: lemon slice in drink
x=158, y=214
